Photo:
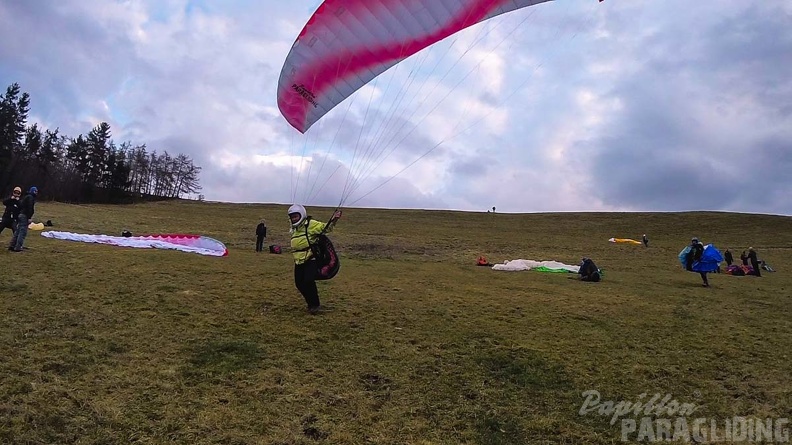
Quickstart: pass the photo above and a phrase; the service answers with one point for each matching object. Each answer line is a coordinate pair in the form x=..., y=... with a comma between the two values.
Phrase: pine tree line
x=88, y=168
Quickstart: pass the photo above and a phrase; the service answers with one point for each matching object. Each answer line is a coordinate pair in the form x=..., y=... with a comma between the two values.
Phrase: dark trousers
x=704, y=277
x=21, y=233
x=305, y=280
x=259, y=243
x=7, y=223
x=757, y=268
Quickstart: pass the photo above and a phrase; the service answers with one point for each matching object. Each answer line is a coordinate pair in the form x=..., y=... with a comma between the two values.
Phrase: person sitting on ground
x=588, y=270
x=766, y=266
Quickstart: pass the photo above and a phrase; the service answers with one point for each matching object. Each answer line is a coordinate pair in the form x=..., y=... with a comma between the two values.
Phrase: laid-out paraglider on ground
x=540, y=266
x=624, y=241
x=201, y=245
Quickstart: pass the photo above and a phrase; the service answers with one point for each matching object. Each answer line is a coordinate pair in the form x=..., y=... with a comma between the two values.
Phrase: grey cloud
x=379, y=135
x=471, y=168
x=663, y=152
x=62, y=57
x=325, y=186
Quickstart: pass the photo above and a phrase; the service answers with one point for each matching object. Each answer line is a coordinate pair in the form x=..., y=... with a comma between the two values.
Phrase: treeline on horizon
x=87, y=168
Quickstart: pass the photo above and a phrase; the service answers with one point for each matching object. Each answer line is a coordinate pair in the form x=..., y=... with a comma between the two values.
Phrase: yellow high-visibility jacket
x=299, y=243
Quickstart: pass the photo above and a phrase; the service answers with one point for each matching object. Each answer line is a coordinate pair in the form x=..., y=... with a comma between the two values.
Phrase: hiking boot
x=319, y=309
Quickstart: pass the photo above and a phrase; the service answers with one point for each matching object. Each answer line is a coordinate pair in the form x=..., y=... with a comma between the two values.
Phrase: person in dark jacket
x=261, y=234
x=27, y=207
x=696, y=250
x=589, y=271
x=754, y=262
x=744, y=258
x=645, y=240
x=727, y=255
x=11, y=212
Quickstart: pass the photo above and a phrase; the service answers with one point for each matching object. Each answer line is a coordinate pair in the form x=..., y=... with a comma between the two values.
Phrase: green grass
x=106, y=345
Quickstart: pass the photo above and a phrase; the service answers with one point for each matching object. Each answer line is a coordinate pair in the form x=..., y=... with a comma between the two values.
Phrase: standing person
x=305, y=231
x=11, y=212
x=261, y=234
x=696, y=250
x=645, y=240
x=27, y=207
x=744, y=258
x=754, y=262
x=728, y=256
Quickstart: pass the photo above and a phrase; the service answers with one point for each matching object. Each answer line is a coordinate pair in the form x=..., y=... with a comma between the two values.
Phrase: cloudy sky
x=571, y=105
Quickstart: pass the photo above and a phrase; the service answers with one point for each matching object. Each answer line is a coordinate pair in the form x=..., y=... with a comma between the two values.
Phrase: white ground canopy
x=518, y=265
x=186, y=243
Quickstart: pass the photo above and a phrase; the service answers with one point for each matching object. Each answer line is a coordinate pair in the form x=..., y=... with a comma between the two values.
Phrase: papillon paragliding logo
x=306, y=94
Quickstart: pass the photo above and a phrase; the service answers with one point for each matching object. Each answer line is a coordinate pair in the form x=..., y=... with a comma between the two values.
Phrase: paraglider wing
x=709, y=260
x=683, y=255
x=347, y=43
x=202, y=245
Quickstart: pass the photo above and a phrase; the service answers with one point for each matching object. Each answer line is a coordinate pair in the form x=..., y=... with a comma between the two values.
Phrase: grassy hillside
x=108, y=345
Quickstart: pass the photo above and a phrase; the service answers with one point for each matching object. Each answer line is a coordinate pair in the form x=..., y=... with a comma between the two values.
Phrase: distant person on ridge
x=645, y=240
x=261, y=234
x=11, y=212
x=305, y=267
x=27, y=207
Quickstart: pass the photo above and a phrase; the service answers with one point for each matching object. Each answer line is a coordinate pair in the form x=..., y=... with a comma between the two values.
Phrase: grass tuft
x=524, y=368
x=214, y=357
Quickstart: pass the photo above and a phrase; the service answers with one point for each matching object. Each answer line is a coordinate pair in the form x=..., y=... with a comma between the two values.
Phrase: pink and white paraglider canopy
x=202, y=245
x=347, y=43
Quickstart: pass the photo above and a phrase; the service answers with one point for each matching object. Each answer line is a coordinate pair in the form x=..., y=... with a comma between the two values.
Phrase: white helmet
x=297, y=208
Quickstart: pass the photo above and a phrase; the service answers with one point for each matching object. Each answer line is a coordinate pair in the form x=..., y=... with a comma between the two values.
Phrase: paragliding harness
x=327, y=263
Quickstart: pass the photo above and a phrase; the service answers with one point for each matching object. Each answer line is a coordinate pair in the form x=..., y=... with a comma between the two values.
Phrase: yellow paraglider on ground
x=624, y=240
